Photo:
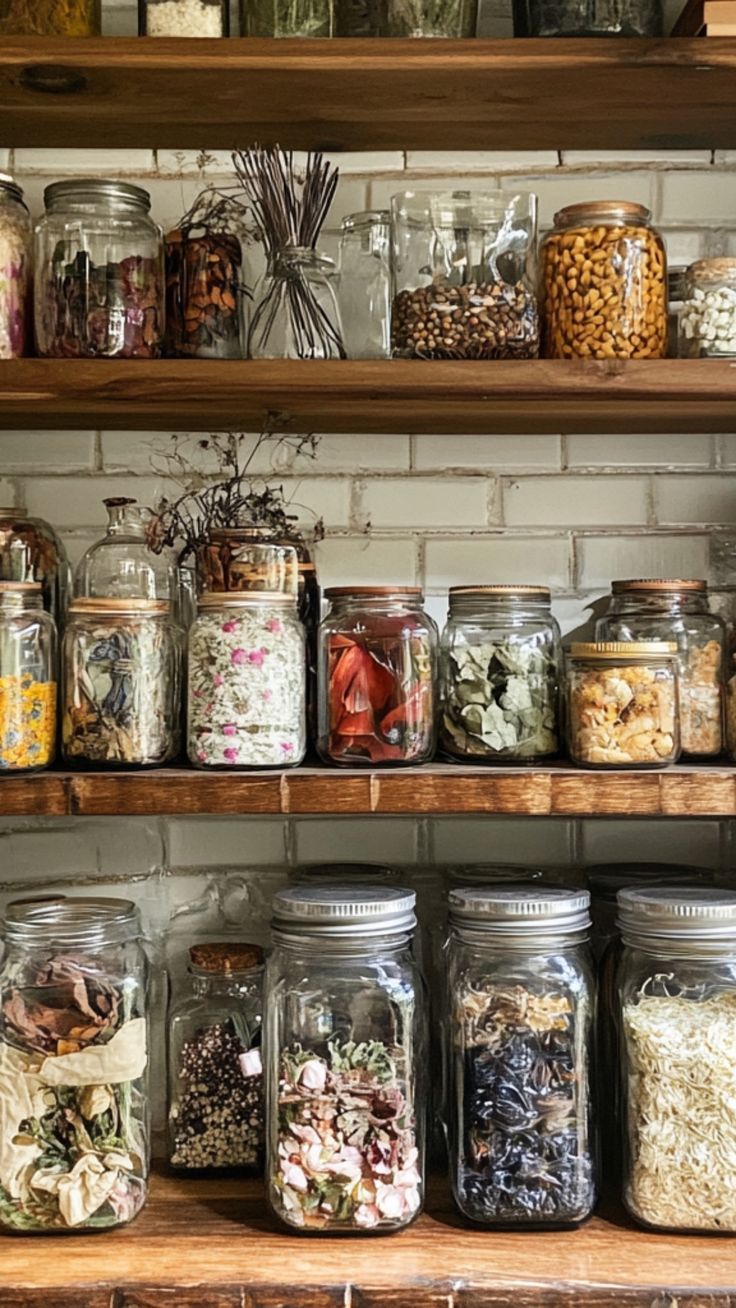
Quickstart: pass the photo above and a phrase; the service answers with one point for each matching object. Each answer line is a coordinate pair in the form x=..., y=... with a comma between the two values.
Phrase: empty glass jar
x=365, y=284
x=28, y=690
x=623, y=704
x=15, y=268
x=121, y=565
x=295, y=313
x=30, y=550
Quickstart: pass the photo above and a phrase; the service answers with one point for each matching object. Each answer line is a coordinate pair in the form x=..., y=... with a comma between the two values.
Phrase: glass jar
x=588, y=17
x=413, y=18
x=237, y=559
x=707, y=324
x=247, y=682
x=365, y=284
x=500, y=670
x=678, y=611
x=183, y=18
x=299, y=18
x=623, y=704
x=377, y=677
x=99, y=284
x=520, y=1009
x=15, y=268
x=345, y=1061
x=295, y=313
x=30, y=550
x=215, y=1071
x=122, y=673
x=28, y=661
x=604, y=284
x=204, y=275
x=50, y=18
x=74, y=1049
x=122, y=565
x=731, y=710
x=464, y=275
x=677, y=1018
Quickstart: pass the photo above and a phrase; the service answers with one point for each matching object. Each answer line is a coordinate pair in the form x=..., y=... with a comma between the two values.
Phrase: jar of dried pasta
x=604, y=284
x=622, y=704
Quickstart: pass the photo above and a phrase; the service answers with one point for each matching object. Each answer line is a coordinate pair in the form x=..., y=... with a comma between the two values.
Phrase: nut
x=480, y=320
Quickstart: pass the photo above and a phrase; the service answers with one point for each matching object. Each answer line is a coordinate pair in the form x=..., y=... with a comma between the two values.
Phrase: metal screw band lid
x=677, y=912
x=97, y=189
x=79, y=921
x=501, y=910
x=344, y=911
x=652, y=585
x=633, y=650
x=9, y=185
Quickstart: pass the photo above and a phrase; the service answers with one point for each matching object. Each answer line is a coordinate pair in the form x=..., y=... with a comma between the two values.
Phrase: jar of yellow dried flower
x=622, y=704
x=27, y=678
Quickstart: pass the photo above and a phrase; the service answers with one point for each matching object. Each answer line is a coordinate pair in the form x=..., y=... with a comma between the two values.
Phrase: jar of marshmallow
x=707, y=327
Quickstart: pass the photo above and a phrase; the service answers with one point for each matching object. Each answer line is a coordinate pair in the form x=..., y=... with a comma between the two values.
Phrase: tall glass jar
x=677, y=1019
x=464, y=275
x=678, y=611
x=604, y=284
x=122, y=565
x=204, y=271
x=30, y=550
x=377, y=677
x=28, y=662
x=623, y=704
x=99, y=277
x=74, y=1049
x=51, y=18
x=236, y=559
x=345, y=1052
x=587, y=17
x=500, y=672
x=297, y=18
x=364, y=293
x=183, y=18
x=520, y=1008
x=295, y=313
x=413, y=18
x=15, y=268
x=246, y=682
x=122, y=677
x=215, y=1070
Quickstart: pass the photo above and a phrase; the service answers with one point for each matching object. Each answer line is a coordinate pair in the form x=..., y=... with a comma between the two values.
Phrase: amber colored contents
x=50, y=18
x=27, y=723
x=381, y=698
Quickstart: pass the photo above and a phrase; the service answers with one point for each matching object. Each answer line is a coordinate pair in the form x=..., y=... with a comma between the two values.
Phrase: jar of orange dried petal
x=27, y=678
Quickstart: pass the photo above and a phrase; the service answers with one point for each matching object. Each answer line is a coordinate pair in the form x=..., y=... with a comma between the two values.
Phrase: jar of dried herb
x=345, y=1031
x=74, y=1102
x=15, y=268
x=28, y=687
x=520, y=1007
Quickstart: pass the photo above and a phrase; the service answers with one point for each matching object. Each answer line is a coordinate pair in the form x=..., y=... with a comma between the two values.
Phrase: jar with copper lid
x=604, y=284
x=623, y=704
x=28, y=689
x=377, y=677
x=678, y=610
x=707, y=322
x=501, y=664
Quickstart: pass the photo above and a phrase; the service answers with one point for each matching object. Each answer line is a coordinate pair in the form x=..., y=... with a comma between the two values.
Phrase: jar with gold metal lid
x=623, y=704
x=707, y=320
x=28, y=689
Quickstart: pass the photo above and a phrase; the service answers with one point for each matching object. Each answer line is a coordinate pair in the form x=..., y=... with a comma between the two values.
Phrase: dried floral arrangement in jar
x=500, y=700
x=204, y=270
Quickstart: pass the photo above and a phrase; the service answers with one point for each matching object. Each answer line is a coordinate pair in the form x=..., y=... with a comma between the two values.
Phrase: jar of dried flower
x=623, y=704
x=28, y=689
x=15, y=269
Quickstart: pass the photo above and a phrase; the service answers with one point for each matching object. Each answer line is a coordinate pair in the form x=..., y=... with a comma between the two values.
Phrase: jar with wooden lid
x=16, y=256
x=707, y=321
x=623, y=704
x=28, y=688
x=604, y=284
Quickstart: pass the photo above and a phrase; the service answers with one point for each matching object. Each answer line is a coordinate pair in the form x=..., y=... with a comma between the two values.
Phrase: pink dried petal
x=229, y=729
x=231, y=753
x=251, y=1063
x=274, y=625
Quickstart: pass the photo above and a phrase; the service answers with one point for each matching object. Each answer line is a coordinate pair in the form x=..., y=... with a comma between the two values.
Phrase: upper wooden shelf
x=369, y=95
x=536, y=395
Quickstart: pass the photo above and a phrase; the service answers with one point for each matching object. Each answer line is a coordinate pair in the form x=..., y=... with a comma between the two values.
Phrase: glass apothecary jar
x=15, y=268
x=678, y=611
x=364, y=293
x=520, y=1008
x=707, y=322
x=236, y=559
x=204, y=278
x=74, y=1049
x=345, y=1031
x=122, y=565
x=99, y=276
x=122, y=677
x=214, y=1055
x=500, y=673
x=623, y=704
x=295, y=313
x=588, y=17
x=377, y=677
x=50, y=18
x=30, y=550
x=183, y=18
x=604, y=284
x=464, y=275
x=297, y=18
x=28, y=690
x=246, y=682
x=677, y=1021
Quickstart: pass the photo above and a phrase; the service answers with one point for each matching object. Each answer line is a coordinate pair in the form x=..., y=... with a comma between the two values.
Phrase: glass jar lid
x=80, y=921
x=342, y=911
x=606, y=879
x=601, y=211
x=9, y=186
x=96, y=188
x=224, y=958
x=635, y=651
x=654, y=585
x=520, y=911
x=541, y=593
x=677, y=912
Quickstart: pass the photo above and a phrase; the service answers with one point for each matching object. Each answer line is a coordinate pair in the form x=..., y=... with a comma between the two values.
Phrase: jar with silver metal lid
x=364, y=286
x=345, y=1052
x=520, y=1006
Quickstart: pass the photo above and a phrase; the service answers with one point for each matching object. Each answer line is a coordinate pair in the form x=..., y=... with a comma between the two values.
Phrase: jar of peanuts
x=604, y=284
x=623, y=704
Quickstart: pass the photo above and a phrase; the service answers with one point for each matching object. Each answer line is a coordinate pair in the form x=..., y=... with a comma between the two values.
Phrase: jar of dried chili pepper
x=377, y=677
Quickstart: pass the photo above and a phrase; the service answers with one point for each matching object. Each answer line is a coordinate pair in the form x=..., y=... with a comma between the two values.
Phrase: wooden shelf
x=536, y=395
x=369, y=95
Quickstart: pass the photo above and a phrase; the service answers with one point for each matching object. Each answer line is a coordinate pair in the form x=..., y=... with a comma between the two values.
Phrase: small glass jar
x=678, y=611
x=707, y=322
x=300, y=18
x=604, y=284
x=295, y=313
x=623, y=704
x=246, y=682
x=15, y=268
x=215, y=1070
x=204, y=277
x=183, y=18
x=464, y=275
x=588, y=17
x=500, y=670
x=122, y=676
x=122, y=565
x=74, y=1050
x=677, y=1021
x=237, y=559
x=520, y=1008
x=345, y=1031
x=377, y=677
x=364, y=294
x=51, y=18
x=28, y=690
x=30, y=550
x=99, y=278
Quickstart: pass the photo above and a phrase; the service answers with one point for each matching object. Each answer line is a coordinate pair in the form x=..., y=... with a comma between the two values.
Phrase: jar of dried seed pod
x=27, y=679
x=623, y=704
x=604, y=284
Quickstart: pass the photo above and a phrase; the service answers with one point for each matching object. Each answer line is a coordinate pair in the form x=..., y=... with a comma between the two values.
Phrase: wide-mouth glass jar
x=30, y=550
x=28, y=689
x=295, y=313
x=364, y=287
x=183, y=18
x=15, y=268
x=707, y=320
x=74, y=1050
x=204, y=271
x=345, y=1051
x=623, y=704
x=520, y=1007
x=500, y=670
x=604, y=284
x=587, y=17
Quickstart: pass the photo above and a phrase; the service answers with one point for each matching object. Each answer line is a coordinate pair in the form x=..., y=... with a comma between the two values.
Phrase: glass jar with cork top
x=28, y=679
x=623, y=703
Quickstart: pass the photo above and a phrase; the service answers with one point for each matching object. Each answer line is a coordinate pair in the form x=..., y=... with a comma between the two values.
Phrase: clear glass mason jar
x=678, y=611
x=464, y=275
x=345, y=1060
x=246, y=682
x=214, y=1055
x=604, y=284
x=520, y=1009
x=30, y=550
x=588, y=17
x=677, y=1020
x=51, y=18
x=74, y=1050
x=623, y=704
x=204, y=274
x=295, y=313
x=99, y=276
x=707, y=322
x=28, y=690
x=122, y=565
x=183, y=18
x=16, y=259
x=364, y=288
x=412, y=18
x=122, y=678
x=500, y=671
x=287, y=18
x=377, y=677
x=236, y=559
